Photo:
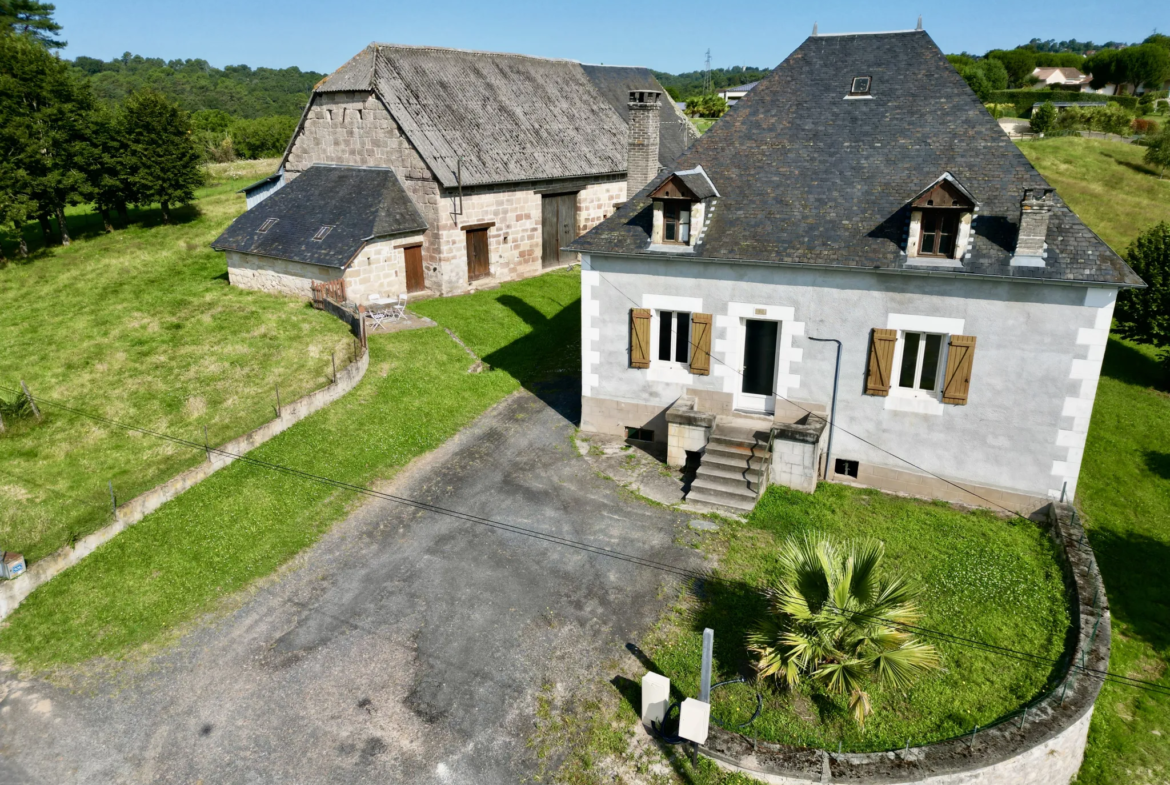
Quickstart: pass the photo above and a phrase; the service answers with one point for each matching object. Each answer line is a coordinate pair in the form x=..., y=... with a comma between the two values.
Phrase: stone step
x=738, y=445
x=722, y=485
x=719, y=453
x=720, y=499
x=744, y=478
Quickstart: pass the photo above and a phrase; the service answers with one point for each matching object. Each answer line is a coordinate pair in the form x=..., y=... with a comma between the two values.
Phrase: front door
x=478, y=265
x=758, y=393
x=558, y=227
x=414, y=269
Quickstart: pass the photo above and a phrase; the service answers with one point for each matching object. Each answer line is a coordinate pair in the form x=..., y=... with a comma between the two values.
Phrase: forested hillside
x=194, y=84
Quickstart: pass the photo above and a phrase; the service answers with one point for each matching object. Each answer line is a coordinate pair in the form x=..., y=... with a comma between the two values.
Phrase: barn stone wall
x=379, y=269
x=276, y=276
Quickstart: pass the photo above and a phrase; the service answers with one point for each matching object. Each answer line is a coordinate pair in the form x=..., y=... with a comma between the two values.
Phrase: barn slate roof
x=615, y=82
x=359, y=203
x=807, y=176
x=510, y=118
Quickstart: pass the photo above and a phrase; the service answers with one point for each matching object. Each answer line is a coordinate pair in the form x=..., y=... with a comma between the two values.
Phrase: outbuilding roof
x=481, y=118
x=807, y=175
x=354, y=203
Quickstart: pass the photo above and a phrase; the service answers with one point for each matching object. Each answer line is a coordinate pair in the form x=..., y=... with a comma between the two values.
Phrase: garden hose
x=658, y=729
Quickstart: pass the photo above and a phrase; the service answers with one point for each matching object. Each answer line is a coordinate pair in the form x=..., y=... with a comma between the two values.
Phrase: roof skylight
x=264, y=227
x=860, y=85
x=322, y=233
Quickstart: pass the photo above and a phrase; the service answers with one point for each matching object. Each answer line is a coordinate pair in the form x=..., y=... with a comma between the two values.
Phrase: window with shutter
x=701, y=344
x=960, y=357
x=639, y=338
x=881, y=361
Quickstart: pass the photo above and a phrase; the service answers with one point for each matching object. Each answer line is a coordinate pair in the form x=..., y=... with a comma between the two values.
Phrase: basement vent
x=846, y=468
x=271, y=222
x=322, y=233
x=639, y=434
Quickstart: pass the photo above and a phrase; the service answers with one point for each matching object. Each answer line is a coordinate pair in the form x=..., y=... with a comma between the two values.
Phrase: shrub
x=16, y=409
x=1143, y=315
x=1144, y=127
x=1043, y=118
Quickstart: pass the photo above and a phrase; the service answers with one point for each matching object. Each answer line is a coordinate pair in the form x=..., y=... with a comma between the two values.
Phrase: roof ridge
x=875, y=32
x=431, y=48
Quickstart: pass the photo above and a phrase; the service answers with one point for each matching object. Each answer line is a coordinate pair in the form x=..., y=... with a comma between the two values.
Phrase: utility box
x=12, y=565
x=655, y=697
x=693, y=720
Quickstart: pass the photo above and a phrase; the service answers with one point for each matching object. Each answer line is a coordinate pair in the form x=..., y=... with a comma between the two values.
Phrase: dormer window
x=681, y=202
x=940, y=223
x=859, y=86
x=676, y=221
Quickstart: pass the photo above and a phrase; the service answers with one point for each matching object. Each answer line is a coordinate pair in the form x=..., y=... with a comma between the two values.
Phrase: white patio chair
x=398, y=310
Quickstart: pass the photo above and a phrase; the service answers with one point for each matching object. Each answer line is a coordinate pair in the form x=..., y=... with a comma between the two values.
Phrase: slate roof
x=512, y=118
x=360, y=203
x=615, y=82
x=807, y=176
x=743, y=88
x=696, y=179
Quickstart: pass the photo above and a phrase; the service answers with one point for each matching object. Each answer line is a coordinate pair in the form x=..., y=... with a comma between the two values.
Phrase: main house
x=860, y=197
x=426, y=170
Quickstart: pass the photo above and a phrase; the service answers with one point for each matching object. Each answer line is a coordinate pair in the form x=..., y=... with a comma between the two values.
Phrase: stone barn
x=439, y=171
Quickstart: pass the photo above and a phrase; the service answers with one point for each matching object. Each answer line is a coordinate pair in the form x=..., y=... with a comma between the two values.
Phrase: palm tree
x=834, y=620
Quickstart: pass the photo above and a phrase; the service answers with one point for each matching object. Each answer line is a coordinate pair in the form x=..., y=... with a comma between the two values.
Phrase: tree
x=33, y=19
x=106, y=167
x=263, y=138
x=833, y=619
x=1143, y=315
x=1135, y=65
x=1158, y=151
x=163, y=161
x=1043, y=118
x=1019, y=64
x=706, y=106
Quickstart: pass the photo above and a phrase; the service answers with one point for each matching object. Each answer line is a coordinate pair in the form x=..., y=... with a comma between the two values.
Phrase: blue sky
x=667, y=36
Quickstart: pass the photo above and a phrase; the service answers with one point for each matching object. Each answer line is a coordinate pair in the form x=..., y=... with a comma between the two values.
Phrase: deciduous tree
x=1158, y=151
x=1144, y=314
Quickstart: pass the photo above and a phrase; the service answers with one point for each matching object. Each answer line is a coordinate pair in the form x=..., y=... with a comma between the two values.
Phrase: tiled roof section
x=357, y=202
x=743, y=88
x=357, y=75
x=259, y=183
x=807, y=176
x=696, y=179
x=511, y=118
x=614, y=82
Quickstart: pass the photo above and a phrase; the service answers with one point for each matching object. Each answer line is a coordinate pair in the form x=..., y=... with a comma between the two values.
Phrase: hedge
x=1023, y=100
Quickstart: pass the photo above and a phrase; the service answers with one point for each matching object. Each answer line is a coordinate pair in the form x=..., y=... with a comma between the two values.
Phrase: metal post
x=1024, y=717
x=333, y=358
x=113, y=499
x=972, y=744
x=277, y=399
x=705, y=672
x=833, y=410
x=31, y=402
x=1063, y=489
x=206, y=446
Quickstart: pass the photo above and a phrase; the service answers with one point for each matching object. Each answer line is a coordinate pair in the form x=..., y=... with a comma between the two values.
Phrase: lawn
x=981, y=577
x=704, y=123
x=244, y=521
x=1106, y=183
x=139, y=326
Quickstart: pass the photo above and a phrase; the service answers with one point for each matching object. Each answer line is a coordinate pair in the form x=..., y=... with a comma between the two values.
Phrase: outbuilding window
x=676, y=221
x=674, y=336
x=920, y=361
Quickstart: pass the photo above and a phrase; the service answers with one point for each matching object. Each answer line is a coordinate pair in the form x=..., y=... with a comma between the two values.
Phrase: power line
x=675, y=570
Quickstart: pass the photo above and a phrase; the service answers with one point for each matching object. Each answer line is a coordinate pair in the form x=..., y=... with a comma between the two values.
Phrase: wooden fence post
x=31, y=402
x=277, y=399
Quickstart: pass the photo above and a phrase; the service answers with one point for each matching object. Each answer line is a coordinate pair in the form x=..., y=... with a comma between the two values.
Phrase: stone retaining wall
x=13, y=592
x=1043, y=747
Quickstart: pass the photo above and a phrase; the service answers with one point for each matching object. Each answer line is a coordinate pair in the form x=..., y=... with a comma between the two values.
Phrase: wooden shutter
x=881, y=362
x=960, y=355
x=701, y=344
x=639, y=338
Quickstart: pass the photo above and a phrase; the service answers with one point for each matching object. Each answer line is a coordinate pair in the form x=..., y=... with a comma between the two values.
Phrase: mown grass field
x=139, y=326
x=245, y=521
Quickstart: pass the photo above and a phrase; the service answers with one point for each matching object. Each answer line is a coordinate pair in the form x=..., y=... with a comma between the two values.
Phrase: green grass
x=1124, y=492
x=981, y=577
x=243, y=522
x=1106, y=183
x=139, y=326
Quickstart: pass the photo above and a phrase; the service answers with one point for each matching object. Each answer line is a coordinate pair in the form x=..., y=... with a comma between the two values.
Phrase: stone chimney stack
x=1035, y=210
x=642, y=155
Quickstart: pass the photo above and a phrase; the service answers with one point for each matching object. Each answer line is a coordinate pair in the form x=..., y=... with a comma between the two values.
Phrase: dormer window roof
x=682, y=201
x=692, y=185
x=940, y=220
x=946, y=191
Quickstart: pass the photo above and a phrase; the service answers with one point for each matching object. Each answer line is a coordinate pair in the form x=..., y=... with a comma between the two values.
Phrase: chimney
x=1035, y=209
x=642, y=155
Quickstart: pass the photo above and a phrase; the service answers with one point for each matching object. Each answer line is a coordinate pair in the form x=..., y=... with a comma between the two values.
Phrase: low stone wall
x=276, y=276
x=13, y=592
x=1043, y=746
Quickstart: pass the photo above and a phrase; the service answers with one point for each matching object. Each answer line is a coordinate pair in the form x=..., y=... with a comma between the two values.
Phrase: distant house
x=732, y=94
x=1069, y=78
x=438, y=171
x=890, y=214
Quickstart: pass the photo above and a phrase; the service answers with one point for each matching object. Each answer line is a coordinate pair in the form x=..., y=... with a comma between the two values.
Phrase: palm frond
x=898, y=667
x=859, y=706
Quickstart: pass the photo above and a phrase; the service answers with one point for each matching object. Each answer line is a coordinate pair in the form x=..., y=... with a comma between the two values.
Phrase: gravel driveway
x=406, y=646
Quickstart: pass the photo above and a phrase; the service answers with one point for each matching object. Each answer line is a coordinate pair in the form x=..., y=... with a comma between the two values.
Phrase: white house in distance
x=732, y=94
x=861, y=194
x=1069, y=78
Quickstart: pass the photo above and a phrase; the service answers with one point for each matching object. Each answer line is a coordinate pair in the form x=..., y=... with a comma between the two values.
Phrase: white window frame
x=916, y=391
x=656, y=333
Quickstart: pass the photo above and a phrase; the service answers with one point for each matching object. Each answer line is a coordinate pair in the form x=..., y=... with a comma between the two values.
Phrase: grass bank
x=1106, y=183
x=981, y=577
x=244, y=521
x=140, y=326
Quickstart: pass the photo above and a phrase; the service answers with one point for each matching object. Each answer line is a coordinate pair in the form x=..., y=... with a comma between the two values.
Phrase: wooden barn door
x=414, y=269
x=478, y=265
x=558, y=222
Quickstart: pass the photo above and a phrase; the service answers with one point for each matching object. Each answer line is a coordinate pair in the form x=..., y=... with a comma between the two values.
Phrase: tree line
x=60, y=146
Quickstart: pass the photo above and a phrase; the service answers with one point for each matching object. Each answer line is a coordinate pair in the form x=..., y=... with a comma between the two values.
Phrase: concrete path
x=406, y=647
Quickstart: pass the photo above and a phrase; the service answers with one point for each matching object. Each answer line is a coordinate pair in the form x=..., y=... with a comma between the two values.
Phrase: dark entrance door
x=477, y=254
x=558, y=226
x=414, y=269
x=759, y=357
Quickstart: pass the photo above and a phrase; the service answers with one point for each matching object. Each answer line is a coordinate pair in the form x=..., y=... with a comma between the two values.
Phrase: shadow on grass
x=1158, y=463
x=1126, y=364
x=87, y=225
x=546, y=361
x=1137, y=581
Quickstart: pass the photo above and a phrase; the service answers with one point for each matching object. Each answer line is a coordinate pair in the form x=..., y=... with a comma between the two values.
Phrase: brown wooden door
x=414, y=269
x=477, y=254
x=558, y=227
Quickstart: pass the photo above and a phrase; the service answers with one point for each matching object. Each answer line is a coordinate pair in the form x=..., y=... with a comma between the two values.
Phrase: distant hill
x=237, y=89
x=684, y=86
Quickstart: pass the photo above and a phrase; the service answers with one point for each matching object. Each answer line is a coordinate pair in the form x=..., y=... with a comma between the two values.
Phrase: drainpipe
x=833, y=410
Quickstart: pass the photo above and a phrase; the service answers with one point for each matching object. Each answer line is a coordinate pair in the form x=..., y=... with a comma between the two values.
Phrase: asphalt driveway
x=406, y=646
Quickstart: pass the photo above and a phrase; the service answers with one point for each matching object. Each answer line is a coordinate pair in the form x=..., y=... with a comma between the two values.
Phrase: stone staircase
x=733, y=469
